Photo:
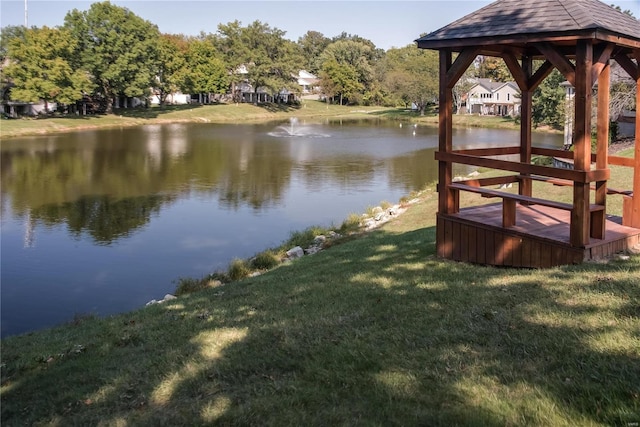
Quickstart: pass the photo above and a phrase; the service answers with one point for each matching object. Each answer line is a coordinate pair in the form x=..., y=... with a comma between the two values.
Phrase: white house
x=494, y=98
x=308, y=82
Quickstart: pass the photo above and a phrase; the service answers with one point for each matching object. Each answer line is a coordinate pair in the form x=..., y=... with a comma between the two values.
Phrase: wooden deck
x=540, y=238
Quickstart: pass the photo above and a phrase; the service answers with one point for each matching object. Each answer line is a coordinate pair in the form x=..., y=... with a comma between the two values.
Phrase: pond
x=101, y=222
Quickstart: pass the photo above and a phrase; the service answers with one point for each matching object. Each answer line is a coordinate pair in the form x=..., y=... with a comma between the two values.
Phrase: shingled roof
x=518, y=21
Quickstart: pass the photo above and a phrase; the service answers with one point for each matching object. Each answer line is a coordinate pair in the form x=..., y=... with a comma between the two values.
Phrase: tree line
x=108, y=52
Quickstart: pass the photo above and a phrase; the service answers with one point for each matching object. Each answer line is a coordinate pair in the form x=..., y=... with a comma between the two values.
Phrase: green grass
x=374, y=331
x=220, y=113
x=234, y=113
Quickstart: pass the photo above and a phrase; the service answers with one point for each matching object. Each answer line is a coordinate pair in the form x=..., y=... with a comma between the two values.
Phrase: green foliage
x=494, y=69
x=206, y=70
x=347, y=70
x=187, y=285
x=8, y=33
x=312, y=44
x=350, y=224
x=265, y=260
x=269, y=59
x=305, y=237
x=41, y=67
x=238, y=269
x=340, y=80
x=412, y=76
x=171, y=65
x=549, y=102
x=117, y=48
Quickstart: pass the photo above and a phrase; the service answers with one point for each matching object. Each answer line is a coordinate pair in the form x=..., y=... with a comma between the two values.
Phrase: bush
x=351, y=224
x=187, y=285
x=265, y=261
x=305, y=238
x=238, y=269
x=385, y=205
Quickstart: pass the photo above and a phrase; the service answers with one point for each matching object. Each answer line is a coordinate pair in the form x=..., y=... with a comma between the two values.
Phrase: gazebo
x=579, y=38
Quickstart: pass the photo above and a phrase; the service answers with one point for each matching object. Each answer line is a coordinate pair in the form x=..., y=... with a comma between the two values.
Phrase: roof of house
x=523, y=21
x=492, y=86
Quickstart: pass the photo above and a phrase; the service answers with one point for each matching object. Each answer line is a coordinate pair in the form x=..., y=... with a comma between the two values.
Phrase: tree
x=7, y=34
x=493, y=68
x=462, y=88
x=117, y=47
x=339, y=80
x=170, y=66
x=353, y=57
x=40, y=69
x=626, y=12
x=413, y=75
x=229, y=43
x=270, y=61
x=312, y=44
x=207, y=71
x=549, y=101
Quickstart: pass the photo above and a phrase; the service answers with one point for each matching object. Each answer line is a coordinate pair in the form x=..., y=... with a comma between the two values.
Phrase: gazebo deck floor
x=539, y=239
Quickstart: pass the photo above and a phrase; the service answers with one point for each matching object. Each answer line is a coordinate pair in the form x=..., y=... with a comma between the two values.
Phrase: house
x=308, y=82
x=623, y=119
x=494, y=98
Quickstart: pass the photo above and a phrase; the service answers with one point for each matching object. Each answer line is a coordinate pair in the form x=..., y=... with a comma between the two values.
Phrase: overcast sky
x=391, y=23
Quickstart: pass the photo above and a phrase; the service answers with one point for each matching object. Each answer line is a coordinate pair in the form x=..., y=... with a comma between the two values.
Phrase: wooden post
x=635, y=204
x=598, y=218
x=525, y=187
x=580, y=216
x=446, y=202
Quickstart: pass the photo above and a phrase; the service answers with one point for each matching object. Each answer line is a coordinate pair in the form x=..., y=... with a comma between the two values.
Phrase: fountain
x=296, y=130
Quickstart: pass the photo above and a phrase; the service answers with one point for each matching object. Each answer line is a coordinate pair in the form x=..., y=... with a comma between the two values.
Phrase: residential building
x=494, y=98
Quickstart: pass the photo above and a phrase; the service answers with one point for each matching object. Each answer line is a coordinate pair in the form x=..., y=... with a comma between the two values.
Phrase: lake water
x=101, y=222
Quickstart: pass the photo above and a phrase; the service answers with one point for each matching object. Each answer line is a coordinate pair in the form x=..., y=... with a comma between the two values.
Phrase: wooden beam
x=516, y=70
x=541, y=73
x=621, y=161
x=628, y=65
x=559, y=61
x=601, y=60
x=460, y=65
x=525, y=168
x=495, y=151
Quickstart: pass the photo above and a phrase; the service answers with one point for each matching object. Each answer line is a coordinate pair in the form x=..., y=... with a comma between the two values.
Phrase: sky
x=390, y=23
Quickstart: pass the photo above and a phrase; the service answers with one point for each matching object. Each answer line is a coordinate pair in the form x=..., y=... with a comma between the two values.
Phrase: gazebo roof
x=517, y=22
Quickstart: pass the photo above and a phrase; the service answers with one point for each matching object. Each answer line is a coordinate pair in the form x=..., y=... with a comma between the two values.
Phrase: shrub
x=385, y=205
x=265, y=261
x=186, y=285
x=305, y=238
x=351, y=224
x=238, y=269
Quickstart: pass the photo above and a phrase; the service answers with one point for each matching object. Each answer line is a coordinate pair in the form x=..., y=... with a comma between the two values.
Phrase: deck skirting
x=540, y=238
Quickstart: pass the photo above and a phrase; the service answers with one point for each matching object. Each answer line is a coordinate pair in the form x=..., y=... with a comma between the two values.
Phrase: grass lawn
x=231, y=113
x=374, y=331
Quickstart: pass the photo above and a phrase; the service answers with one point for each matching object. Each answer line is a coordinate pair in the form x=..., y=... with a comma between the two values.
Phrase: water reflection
x=103, y=221
x=100, y=217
